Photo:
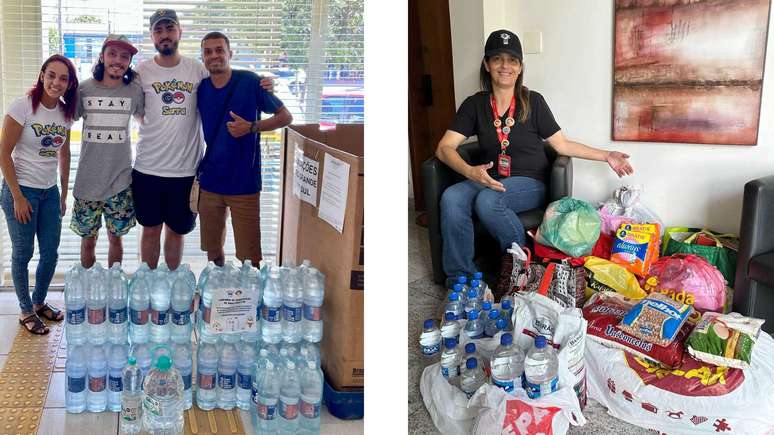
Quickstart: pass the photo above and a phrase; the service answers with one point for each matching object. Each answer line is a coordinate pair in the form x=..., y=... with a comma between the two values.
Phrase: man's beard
x=166, y=51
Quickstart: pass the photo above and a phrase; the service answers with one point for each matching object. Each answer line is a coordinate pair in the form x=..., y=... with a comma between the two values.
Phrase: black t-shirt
x=526, y=149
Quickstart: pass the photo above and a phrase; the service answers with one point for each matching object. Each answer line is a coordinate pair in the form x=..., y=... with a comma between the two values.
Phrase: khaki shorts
x=245, y=219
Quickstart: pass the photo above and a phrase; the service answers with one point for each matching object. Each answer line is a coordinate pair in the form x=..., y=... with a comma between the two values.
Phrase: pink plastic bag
x=689, y=279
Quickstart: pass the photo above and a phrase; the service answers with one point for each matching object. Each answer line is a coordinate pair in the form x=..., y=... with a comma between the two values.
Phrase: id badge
x=504, y=165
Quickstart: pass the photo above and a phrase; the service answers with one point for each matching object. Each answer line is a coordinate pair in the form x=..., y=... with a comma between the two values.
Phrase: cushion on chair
x=762, y=269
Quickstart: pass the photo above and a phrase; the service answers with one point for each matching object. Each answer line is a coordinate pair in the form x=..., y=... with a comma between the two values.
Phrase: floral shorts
x=119, y=215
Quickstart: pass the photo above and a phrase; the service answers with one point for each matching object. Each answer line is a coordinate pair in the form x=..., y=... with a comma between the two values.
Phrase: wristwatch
x=254, y=127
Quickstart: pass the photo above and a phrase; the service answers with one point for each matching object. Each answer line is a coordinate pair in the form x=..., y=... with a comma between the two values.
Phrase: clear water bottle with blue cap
x=474, y=328
x=490, y=328
x=455, y=306
x=76, y=372
x=450, y=361
x=502, y=325
x=430, y=340
x=471, y=351
x=486, y=307
x=472, y=377
x=506, y=313
x=450, y=328
x=541, y=367
x=507, y=364
x=472, y=304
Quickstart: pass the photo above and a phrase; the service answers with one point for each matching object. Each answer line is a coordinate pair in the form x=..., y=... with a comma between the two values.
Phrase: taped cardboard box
x=307, y=235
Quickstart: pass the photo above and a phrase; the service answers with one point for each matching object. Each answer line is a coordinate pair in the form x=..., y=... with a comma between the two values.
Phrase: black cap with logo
x=163, y=14
x=503, y=41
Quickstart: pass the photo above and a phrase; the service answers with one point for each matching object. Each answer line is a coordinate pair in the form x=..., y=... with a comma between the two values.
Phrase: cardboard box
x=339, y=255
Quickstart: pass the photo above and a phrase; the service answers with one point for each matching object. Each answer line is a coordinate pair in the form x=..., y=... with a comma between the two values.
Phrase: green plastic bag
x=571, y=226
x=719, y=256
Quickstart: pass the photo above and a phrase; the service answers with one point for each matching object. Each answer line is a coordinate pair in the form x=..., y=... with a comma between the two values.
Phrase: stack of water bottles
x=465, y=311
x=273, y=372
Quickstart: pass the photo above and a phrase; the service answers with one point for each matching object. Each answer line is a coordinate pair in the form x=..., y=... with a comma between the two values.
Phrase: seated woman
x=511, y=123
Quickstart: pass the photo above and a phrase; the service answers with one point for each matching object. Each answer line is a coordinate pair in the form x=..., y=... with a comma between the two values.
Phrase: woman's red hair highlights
x=71, y=95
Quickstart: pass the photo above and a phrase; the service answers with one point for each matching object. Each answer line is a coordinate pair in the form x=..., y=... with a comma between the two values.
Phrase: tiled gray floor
x=425, y=302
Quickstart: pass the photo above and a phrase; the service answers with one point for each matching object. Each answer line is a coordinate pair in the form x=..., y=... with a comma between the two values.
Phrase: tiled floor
x=424, y=303
x=56, y=421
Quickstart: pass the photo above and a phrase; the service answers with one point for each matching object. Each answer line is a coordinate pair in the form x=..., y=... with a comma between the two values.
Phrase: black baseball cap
x=163, y=14
x=503, y=41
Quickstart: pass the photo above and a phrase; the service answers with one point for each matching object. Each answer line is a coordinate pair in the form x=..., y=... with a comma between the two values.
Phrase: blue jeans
x=46, y=223
x=496, y=211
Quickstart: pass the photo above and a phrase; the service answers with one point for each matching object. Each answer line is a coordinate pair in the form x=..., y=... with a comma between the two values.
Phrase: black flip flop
x=39, y=328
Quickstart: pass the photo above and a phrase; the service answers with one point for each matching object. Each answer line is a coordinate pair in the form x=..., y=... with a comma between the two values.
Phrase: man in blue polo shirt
x=230, y=173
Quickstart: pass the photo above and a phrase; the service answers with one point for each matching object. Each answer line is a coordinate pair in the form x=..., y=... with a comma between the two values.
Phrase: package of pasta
x=724, y=339
x=656, y=319
x=636, y=247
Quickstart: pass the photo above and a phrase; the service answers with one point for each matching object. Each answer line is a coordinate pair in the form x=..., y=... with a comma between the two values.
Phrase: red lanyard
x=503, y=132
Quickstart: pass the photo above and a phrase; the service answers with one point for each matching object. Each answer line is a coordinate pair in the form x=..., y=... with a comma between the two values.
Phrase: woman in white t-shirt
x=36, y=137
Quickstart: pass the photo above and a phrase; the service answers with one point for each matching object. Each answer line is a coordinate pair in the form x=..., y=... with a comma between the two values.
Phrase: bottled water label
x=310, y=410
x=117, y=316
x=245, y=381
x=116, y=384
x=97, y=384
x=96, y=316
x=450, y=372
x=130, y=414
x=152, y=405
x=267, y=411
x=312, y=313
x=181, y=318
x=292, y=314
x=226, y=382
x=271, y=314
x=76, y=385
x=431, y=349
x=206, y=382
x=539, y=390
x=288, y=411
x=139, y=317
x=159, y=317
x=504, y=385
x=187, y=381
x=76, y=317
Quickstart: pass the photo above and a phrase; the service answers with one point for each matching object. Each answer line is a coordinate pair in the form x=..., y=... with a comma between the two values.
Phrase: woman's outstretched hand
x=480, y=176
x=619, y=164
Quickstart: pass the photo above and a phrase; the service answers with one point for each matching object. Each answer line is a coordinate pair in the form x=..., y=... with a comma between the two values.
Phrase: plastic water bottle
x=450, y=361
x=211, y=283
x=96, y=400
x=462, y=280
x=454, y=306
x=472, y=304
x=76, y=372
x=183, y=359
x=116, y=360
x=501, y=325
x=474, y=328
x=182, y=300
x=139, y=309
x=507, y=364
x=75, y=304
x=118, y=292
x=451, y=327
x=541, y=367
x=230, y=280
x=506, y=313
x=430, y=340
x=204, y=275
x=471, y=351
x=160, y=303
x=479, y=276
x=227, y=368
x=163, y=402
x=271, y=312
x=250, y=281
x=206, y=376
x=267, y=399
x=472, y=378
x=258, y=369
x=490, y=328
x=290, y=395
x=311, y=398
x=292, y=308
x=308, y=352
x=96, y=305
x=245, y=376
x=460, y=290
x=141, y=353
x=314, y=294
x=131, y=399
x=486, y=307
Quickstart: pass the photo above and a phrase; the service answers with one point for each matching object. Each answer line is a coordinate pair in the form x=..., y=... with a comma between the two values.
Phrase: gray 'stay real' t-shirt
x=105, y=165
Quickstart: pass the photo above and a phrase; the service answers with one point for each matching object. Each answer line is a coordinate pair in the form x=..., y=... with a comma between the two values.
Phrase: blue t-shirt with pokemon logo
x=232, y=166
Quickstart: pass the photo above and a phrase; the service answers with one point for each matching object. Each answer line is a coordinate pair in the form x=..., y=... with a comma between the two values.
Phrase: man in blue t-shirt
x=230, y=103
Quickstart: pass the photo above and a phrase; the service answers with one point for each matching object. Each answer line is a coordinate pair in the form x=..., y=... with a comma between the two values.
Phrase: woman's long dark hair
x=98, y=72
x=521, y=91
x=70, y=96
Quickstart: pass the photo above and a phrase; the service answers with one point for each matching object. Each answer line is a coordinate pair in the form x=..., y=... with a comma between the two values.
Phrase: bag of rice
x=656, y=319
x=724, y=339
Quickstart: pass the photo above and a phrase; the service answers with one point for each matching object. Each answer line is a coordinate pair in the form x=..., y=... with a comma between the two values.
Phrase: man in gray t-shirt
x=102, y=182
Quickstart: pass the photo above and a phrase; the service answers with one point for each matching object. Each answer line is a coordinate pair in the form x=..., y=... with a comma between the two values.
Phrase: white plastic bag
x=694, y=398
x=625, y=206
x=502, y=413
x=447, y=404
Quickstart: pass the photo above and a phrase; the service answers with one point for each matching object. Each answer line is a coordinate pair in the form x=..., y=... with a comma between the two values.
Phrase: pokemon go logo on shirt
x=52, y=137
x=173, y=92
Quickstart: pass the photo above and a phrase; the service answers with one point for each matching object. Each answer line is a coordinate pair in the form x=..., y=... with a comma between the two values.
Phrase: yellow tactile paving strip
x=25, y=378
x=216, y=421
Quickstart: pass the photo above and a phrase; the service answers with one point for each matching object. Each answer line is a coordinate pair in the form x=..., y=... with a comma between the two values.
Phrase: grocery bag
x=625, y=207
x=682, y=242
x=446, y=403
x=570, y=225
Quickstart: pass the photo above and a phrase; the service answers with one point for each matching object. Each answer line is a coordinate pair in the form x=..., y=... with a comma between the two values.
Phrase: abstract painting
x=689, y=71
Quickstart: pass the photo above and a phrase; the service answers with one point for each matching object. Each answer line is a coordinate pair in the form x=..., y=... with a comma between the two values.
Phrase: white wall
x=467, y=32
x=686, y=184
